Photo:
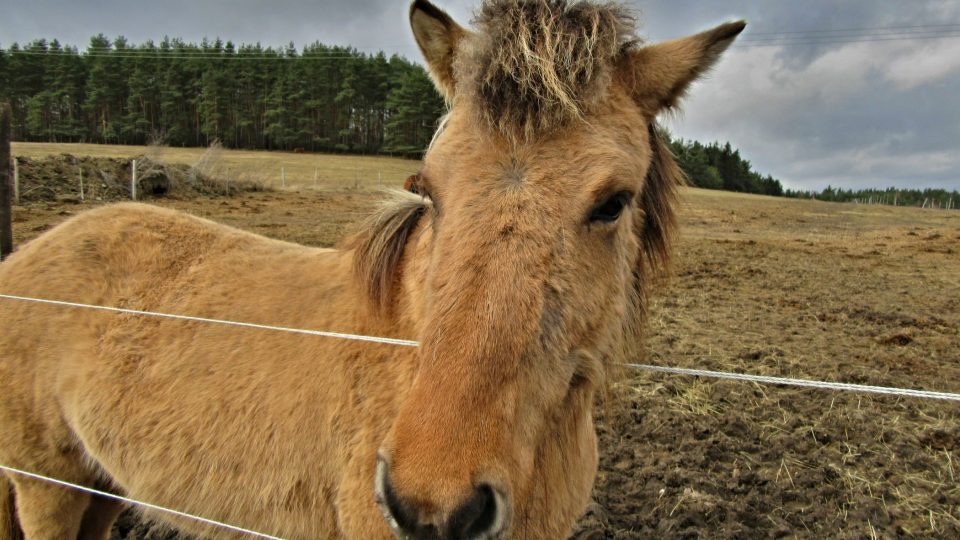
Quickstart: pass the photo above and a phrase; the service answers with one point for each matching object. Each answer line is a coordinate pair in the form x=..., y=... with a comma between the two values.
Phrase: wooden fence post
x=6, y=212
x=16, y=178
x=80, y=169
x=283, y=178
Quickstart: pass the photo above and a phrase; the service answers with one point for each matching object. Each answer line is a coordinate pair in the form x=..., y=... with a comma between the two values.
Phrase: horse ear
x=438, y=36
x=659, y=75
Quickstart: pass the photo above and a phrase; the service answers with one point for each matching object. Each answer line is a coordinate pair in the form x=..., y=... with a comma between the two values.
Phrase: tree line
x=930, y=197
x=720, y=166
x=318, y=98
x=716, y=166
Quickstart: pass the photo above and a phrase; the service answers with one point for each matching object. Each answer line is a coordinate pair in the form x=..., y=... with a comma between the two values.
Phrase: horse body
x=522, y=268
x=246, y=425
x=270, y=430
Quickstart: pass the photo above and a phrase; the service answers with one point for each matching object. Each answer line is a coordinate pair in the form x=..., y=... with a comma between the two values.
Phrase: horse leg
x=99, y=517
x=48, y=511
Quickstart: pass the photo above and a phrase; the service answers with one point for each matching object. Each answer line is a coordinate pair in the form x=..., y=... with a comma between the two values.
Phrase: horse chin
x=380, y=495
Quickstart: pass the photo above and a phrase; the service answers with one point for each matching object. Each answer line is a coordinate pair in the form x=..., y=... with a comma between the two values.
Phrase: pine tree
x=413, y=107
x=105, y=88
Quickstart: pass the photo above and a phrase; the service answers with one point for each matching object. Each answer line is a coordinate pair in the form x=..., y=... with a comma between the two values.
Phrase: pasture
x=295, y=170
x=806, y=289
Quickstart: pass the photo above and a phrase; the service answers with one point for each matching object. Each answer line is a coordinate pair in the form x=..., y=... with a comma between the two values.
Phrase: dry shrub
x=211, y=162
x=156, y=146
x=210, y=175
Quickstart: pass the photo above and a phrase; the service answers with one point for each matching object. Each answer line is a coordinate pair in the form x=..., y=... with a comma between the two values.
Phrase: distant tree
x=106, y=88
x=413, y=107
x=717, y=166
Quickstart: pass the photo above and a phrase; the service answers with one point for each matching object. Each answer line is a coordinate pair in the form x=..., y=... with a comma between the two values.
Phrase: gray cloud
x=855, y=114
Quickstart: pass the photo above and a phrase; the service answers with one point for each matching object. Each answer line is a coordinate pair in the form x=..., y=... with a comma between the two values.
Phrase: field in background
x=793, y=288
x=273, y=169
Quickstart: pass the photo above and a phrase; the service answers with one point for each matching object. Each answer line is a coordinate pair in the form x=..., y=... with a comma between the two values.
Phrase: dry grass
x=862, y=294
x=320, y=171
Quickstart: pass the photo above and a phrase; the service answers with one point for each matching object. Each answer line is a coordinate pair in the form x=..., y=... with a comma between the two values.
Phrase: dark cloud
x=858, y=114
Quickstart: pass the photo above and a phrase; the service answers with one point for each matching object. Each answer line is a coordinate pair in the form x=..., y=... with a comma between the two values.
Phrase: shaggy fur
x=521, y=299
x=538, y=65
x=9, y=530
x=378, y=249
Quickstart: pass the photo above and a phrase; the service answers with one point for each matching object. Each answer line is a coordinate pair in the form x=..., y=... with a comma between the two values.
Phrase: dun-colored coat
x=521, y=268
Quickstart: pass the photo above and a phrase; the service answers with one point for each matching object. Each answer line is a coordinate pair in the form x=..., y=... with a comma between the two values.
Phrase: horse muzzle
x=482, y=515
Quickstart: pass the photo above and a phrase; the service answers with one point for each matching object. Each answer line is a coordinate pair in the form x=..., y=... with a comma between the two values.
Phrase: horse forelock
x=537, y=65
x=379, y=245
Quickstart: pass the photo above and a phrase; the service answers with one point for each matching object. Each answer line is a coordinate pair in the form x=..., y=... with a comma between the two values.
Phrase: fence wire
x=135, y=502
x=807, y=383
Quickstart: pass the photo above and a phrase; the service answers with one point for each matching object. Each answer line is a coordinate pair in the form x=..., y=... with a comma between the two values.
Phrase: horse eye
x=412, y=184
x=609, y=210
x=427, y=196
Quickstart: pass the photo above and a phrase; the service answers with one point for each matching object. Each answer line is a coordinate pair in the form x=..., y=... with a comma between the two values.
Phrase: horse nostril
x=399, y=515
x=480, y=517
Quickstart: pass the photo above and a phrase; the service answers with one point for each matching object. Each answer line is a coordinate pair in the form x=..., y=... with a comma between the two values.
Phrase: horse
x=522, y=268
x=411, y=183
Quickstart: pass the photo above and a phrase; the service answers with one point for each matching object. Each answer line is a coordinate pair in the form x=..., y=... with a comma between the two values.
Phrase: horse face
x=531, y=256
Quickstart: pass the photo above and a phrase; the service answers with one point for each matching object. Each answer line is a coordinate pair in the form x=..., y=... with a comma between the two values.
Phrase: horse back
x=158, y=405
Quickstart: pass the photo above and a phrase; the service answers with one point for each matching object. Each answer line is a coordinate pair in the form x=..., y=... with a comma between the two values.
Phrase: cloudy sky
x=818, y=110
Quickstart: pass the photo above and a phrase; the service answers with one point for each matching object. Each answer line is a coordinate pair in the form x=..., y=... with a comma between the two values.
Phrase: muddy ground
x=788, y=288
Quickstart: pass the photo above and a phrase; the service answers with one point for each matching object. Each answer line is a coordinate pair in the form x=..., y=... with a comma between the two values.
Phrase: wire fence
x=823, y=385
x=135, y=502
x=786, y=381
x=806, y=383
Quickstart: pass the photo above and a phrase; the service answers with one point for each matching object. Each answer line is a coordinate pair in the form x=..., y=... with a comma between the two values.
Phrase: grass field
x=274, y=169
x=793, y=288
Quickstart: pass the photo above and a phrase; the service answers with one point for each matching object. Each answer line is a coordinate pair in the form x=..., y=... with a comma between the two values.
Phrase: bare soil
x=861, y=294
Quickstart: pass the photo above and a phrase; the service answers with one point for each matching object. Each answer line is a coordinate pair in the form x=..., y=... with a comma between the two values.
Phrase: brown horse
x=521, y=269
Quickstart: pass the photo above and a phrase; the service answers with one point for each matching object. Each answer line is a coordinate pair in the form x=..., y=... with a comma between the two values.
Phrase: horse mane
x=658, y=203
x=655, y=228
x=379, y=245
x=536, y=65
